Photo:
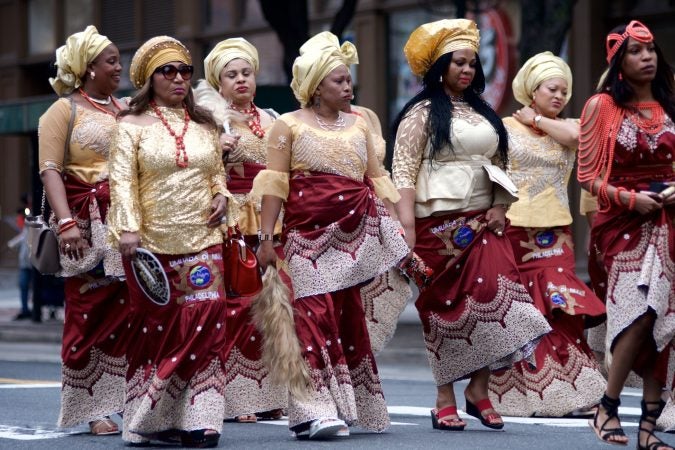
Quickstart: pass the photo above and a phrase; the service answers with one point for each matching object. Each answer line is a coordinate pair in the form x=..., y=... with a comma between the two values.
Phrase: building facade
x=30, y=31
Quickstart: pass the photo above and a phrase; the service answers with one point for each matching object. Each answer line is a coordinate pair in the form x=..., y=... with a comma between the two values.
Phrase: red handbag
x=242, y=272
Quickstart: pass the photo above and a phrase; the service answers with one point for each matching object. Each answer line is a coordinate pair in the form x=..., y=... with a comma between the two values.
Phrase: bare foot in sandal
x=103, y=427
x=246, y=418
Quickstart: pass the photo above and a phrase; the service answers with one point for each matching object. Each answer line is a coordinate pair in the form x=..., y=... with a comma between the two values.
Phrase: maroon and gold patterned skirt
x=476, y=312
x=337, y=236
x=176, y=378
x=565, y=376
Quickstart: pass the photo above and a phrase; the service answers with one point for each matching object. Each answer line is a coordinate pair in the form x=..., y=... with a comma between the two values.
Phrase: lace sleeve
x=411, y=141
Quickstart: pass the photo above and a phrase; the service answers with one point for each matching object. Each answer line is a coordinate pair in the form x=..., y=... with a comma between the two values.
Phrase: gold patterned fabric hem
x=93, y=392
x=477, y=340
x=384, y=299
x=249, y=389
x=154, y=404
x=552, y=389
x=354, y=396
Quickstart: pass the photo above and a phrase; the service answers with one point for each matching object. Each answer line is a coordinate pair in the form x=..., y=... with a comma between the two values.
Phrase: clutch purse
x=242, y=272
x=416, y=269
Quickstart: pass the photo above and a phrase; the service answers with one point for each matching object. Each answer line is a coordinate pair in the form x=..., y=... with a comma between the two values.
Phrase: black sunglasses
x=170, y=71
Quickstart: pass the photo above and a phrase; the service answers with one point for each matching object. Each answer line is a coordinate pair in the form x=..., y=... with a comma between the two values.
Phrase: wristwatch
x=265, y=236
x=536, y=120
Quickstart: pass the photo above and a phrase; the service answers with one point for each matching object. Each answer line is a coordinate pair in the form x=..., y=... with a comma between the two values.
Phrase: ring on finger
x=66, y=247
x=500, y=233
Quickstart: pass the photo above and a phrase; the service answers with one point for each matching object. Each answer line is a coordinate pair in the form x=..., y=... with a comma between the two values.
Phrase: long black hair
x=439, y=125
x=622, y=92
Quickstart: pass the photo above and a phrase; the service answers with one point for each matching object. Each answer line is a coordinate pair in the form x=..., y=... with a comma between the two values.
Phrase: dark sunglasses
x=170, y=71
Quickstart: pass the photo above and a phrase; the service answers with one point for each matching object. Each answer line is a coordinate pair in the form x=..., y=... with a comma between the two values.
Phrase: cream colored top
x=296, y=146
x=167, y=205
x=89, y=147
x=541, y=168
x=456, y=180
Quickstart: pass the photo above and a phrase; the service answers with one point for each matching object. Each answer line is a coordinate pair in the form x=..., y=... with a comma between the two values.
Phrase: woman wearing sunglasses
x=169, y=196
x=228, y=91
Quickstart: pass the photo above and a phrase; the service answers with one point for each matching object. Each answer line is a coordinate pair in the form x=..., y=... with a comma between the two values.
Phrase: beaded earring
x=92, y=74
x=317, y=101
x=620, y=76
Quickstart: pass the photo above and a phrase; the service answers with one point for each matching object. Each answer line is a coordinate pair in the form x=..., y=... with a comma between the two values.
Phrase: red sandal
x=492, y=420
x=446, y=424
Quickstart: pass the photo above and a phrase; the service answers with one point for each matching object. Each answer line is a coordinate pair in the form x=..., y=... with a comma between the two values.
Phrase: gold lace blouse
x=296, y=146
x=88, y=152
x=540, y=167
x=167, y=205
x=461, y=184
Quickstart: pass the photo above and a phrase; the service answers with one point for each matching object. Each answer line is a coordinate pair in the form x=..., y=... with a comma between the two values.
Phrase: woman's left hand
x=218, y=208
x=525, y=115
x=496, y=219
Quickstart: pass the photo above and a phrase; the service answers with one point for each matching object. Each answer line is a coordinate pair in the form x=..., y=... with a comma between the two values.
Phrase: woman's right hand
x=129, y=242
x=71, y=243
x=646, y=203
x=266, y=254
x=228, y=142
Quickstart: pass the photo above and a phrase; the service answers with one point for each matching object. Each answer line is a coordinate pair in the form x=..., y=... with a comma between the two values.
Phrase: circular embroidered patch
x=558, y=299
x=200, y=276
x=463, y=236
x=545, y=238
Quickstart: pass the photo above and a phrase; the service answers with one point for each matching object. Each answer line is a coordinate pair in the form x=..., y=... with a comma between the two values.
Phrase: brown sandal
x=103, y=427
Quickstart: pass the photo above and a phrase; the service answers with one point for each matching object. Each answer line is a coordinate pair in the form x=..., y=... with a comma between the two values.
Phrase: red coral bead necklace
x=180, y=143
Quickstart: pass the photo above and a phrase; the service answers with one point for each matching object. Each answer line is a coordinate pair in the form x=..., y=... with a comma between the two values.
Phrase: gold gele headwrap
x=320, y=55
x=432, y=40
x=154, y=53
x=539, y=68
x=635, y=29
x=224, y=52
x=72, y=58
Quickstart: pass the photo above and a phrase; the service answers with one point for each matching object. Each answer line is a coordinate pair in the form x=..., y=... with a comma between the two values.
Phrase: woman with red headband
x=626, y=155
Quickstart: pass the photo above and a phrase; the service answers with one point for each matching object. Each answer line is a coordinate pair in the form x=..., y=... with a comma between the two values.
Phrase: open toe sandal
x=246, y=418
x=650, y=416
x=439, y=423
x=611, y=407
x=492, y=420
x=103, y=427
x=199, y=439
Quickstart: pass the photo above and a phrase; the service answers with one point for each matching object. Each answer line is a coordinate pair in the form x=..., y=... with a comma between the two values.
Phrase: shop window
x=41, y=26
x=78, y=14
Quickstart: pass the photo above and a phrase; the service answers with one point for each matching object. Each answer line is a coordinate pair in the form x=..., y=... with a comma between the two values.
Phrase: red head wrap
x=635, y=29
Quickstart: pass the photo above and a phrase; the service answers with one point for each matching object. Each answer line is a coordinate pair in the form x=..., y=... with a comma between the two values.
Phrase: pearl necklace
x=180, y=143
x=105, y=101
x=95, y=103
x=338, y=125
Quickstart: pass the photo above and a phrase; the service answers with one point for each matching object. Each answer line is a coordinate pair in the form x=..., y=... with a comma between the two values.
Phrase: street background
x=30, y=387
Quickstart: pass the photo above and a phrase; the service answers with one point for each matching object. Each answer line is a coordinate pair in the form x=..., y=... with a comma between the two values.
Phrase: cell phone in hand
x=658, y=186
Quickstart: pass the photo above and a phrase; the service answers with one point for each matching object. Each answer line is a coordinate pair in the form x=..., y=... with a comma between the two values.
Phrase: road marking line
x=20, y=381
x=29, y=434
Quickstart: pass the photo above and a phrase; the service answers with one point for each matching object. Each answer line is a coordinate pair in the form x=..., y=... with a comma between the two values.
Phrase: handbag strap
x=66, y=145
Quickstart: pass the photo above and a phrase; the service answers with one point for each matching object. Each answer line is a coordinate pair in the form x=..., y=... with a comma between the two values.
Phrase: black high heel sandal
x=199, y=439
x=650, y=416
x=611, y=407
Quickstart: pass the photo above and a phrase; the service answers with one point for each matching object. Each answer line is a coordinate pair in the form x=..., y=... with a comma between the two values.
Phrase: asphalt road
x=29, y=403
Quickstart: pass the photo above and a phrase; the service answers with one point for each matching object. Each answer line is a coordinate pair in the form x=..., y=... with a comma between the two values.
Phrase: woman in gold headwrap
x=228, y=92
x=169, y=196
x=448, y=158
x=541, y=157
x=74, y=136
x=321, y=165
